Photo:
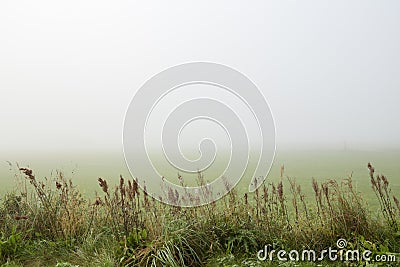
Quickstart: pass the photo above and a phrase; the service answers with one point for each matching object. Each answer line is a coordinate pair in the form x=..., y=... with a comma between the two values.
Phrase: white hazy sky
x=68, y=69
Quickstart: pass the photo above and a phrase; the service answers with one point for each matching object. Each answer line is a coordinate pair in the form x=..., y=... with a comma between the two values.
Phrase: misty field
x=84, y=168
x=94, y=214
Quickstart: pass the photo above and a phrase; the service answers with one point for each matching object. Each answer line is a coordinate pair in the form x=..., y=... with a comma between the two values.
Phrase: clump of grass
x=380, y=186
x=53, y=209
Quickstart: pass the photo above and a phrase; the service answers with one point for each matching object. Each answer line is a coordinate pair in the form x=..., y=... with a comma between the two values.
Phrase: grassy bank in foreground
x=49, y=223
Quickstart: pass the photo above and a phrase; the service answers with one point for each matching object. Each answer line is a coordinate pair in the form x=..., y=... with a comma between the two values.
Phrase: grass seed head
x=103, y=184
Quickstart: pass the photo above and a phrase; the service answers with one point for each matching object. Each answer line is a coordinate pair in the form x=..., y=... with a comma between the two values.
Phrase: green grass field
x=53, y=223
x=85, y=168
